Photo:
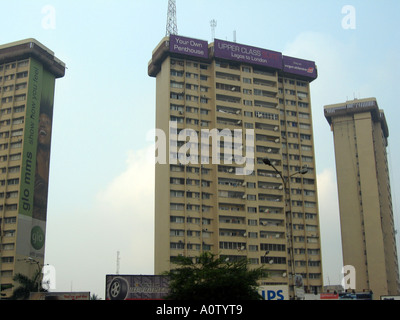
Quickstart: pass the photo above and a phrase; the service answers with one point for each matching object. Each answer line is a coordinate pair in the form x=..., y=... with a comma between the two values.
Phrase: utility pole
x=172, y=26
x=118, y=259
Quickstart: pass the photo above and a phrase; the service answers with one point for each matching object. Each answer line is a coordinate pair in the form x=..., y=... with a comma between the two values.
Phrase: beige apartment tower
x=250, y=191
x=366, y=214
x=27, y=81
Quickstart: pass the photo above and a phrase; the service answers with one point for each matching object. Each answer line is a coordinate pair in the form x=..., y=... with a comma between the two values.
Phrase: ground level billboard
x=59, y=296
x=278, y=292
x=136, y=287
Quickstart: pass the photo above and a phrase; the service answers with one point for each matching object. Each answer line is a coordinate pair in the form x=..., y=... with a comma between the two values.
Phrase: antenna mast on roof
x=213, y=24
x=172, y=26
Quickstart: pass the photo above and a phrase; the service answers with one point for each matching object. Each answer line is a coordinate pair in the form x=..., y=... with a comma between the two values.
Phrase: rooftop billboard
x=247, y=54
x=299, y=66
x=243, y=53
x=188, y=46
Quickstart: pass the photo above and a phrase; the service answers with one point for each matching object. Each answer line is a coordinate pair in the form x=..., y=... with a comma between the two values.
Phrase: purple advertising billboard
x=300, y=67
x=188, y=46
x=247, y=54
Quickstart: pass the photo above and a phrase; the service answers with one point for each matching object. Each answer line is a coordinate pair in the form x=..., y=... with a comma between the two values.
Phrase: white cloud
x=330, y=227
x=121, y=218
x=127, y=208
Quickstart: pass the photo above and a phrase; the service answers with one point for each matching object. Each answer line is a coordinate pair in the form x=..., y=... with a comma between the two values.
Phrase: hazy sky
x=101, y=179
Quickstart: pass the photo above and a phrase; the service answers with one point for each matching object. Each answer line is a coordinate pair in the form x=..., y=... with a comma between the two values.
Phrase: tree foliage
x=213, y=278
x=27, y=285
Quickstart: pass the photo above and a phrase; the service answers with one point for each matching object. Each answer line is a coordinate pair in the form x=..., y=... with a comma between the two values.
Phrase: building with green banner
x=27, y=81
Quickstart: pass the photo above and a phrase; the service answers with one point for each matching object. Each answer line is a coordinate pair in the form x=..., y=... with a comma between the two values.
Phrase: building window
x=16, y=156
x=13, y=181
x=21, y=97
x=177, y=219
x=177, y=206
x=21, y=75
x=177, y=245
x=176, y=233
x=7, y=259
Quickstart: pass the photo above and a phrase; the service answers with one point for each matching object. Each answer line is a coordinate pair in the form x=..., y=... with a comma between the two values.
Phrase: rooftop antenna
x=172, y=26
x=234, y=35
x=213, y=24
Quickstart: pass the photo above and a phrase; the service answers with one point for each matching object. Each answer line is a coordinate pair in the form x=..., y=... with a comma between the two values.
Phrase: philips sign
x=274, y=292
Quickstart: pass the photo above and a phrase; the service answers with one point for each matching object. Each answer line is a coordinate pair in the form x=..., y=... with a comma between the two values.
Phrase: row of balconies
x=255, y=76
x=227, y=178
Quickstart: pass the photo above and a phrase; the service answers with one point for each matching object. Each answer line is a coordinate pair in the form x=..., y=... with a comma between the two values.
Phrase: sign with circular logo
x=37, y=238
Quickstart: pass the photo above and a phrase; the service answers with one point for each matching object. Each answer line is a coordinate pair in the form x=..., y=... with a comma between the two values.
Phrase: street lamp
x=302, y=171
x=268, y=162
x=31, y=260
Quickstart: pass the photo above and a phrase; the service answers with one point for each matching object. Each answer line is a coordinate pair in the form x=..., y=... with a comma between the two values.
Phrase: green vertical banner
x=32, y=208
x=27, y=183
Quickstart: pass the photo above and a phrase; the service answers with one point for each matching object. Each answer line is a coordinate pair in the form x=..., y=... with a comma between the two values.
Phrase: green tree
x=94, y=297
x=4, y=287
x=27, y=285
x=213, y=278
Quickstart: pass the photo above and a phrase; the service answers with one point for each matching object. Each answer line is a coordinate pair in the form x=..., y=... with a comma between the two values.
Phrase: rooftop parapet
x=32, y=48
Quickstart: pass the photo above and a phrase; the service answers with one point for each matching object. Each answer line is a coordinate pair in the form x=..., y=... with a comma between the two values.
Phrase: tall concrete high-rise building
x=235, y=172
x=27, y=81
x=360, y=136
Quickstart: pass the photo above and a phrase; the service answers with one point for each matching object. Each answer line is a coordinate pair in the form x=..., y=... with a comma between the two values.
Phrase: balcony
x=228, y=98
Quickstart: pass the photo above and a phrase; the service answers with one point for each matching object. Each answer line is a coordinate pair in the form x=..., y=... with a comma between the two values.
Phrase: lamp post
x=33, y=261
x=303, y=170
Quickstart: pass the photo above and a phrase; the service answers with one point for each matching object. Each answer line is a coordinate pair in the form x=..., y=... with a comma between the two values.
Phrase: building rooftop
x=356, y=106
x=179, y=46
x=32, y=48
